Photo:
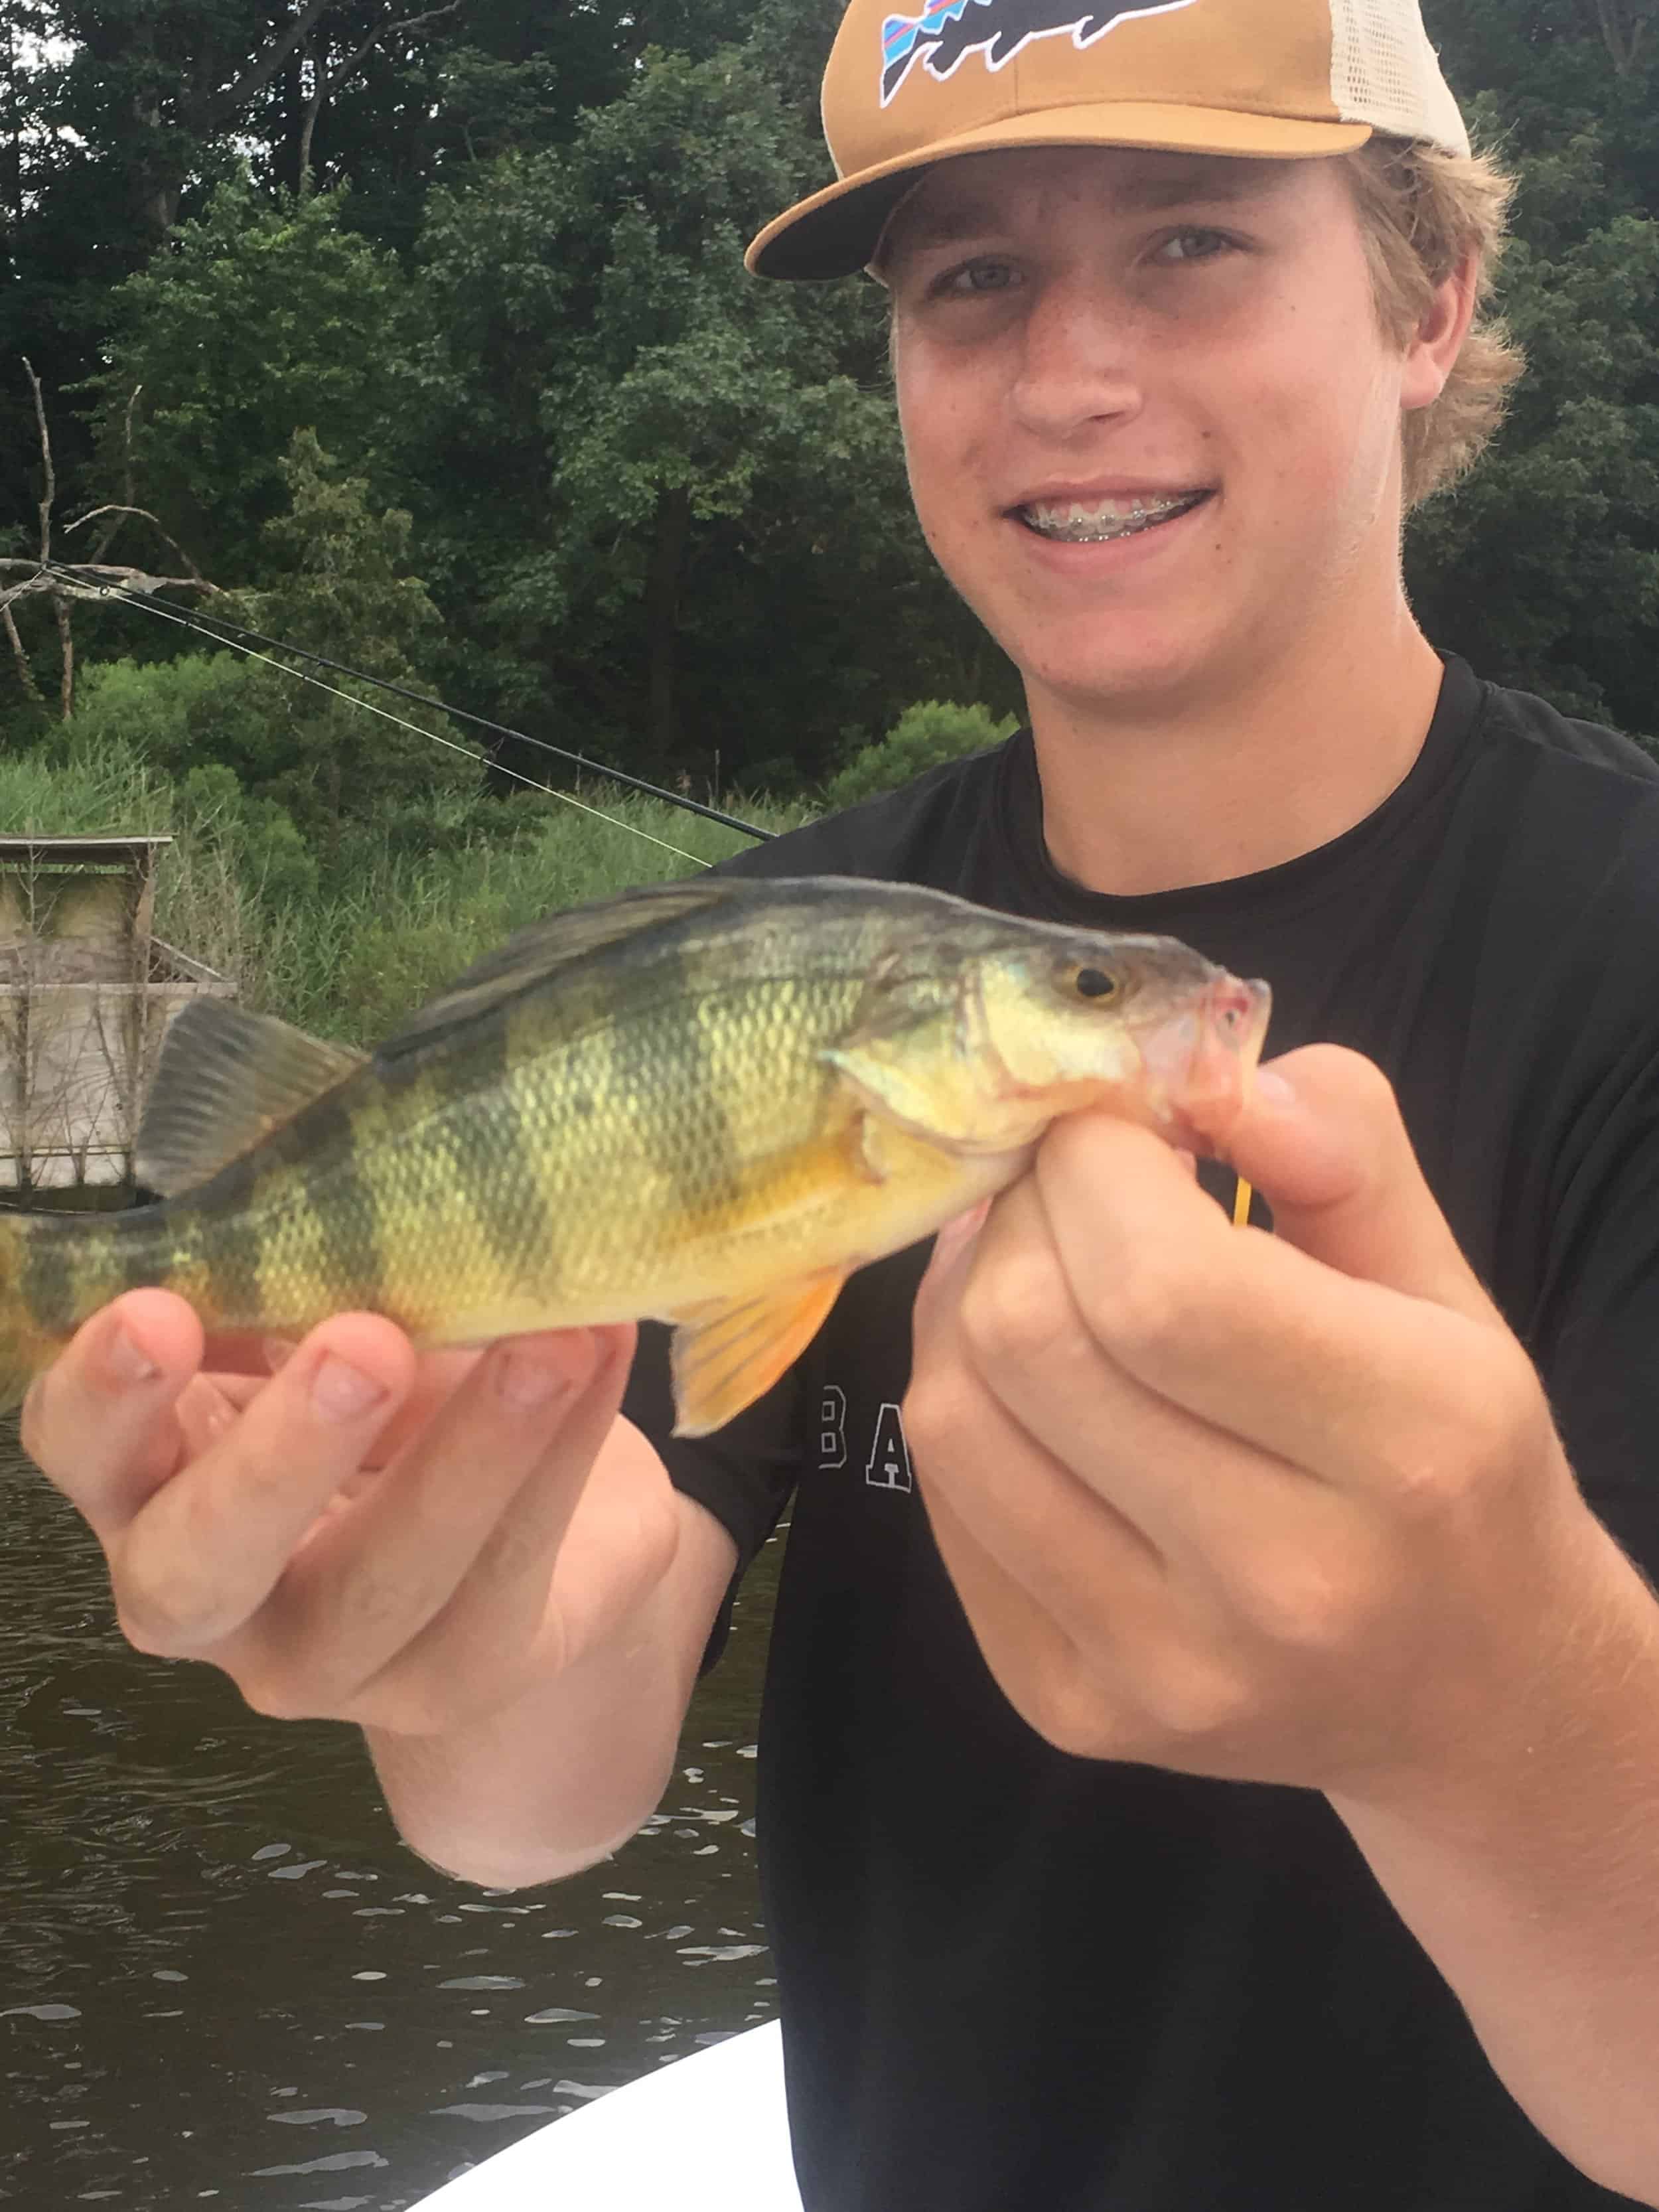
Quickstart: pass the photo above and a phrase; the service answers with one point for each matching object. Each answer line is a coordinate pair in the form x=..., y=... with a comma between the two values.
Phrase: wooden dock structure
x=87, y=992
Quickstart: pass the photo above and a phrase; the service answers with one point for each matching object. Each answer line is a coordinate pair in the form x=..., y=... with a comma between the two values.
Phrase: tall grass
x=401, y=916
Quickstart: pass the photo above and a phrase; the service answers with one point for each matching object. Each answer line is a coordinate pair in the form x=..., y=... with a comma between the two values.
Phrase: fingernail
x=1272, y=1089
x=532, y=1374
x=341, y=1393
x=128, y=1362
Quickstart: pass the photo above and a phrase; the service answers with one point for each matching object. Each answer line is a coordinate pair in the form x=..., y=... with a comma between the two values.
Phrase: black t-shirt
x=1013, y=1980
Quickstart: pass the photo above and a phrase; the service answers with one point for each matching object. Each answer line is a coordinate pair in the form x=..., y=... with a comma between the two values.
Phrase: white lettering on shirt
x=888, y=1466
x=832, y=1426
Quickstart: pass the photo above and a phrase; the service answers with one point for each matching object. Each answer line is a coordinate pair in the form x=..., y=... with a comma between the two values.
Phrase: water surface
x=224, y=1981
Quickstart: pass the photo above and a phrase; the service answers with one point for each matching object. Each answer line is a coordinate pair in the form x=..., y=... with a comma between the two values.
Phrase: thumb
x=1322, y=1139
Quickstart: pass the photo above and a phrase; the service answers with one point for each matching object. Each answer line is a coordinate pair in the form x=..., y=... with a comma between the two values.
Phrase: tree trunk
x=662, y=612
x=66, y=645
x=1621, y=23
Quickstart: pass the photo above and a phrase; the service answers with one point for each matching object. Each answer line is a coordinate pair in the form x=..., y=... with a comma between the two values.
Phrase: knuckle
x=1303, y=1600
x=285, y=1695
x=161, y=1612
x=1194, y=1701
x=1018, y=1310
x=1070, y=1712
x=1141, y=1310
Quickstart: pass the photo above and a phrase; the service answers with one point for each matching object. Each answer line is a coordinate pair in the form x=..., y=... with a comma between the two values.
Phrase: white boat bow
x=707, y=2134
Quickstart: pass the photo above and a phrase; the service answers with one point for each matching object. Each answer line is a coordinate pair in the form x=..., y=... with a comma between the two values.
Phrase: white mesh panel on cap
x=1384, y=72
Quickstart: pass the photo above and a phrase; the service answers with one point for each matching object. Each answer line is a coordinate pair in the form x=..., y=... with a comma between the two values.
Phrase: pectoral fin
x=726, y=1353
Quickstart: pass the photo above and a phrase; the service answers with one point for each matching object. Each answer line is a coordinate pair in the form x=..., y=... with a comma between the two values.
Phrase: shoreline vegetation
x=349, y=953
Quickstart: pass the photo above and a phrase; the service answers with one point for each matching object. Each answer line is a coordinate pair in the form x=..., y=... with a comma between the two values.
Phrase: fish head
x=1142, y=1026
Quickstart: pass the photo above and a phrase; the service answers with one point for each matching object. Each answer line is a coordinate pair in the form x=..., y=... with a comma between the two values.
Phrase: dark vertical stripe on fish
x=48, y=1283
x=230, y=1241
x=703, y=1166
x=494, y=1171
x=341, y=1204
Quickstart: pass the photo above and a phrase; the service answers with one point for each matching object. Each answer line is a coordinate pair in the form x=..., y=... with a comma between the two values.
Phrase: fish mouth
x=1099, y=521
x=1200, y=1065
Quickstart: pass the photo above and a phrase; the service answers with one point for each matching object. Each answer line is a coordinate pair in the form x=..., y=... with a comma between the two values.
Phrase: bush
x=176, y=714
x=926, y=735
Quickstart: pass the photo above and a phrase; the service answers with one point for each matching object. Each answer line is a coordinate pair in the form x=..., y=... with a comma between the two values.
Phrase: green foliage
x=925, y=736
x=1544, y=567
x=661, y=506
x=260, y=320
x=169, y=714
x=664, y=467
x=333, y=754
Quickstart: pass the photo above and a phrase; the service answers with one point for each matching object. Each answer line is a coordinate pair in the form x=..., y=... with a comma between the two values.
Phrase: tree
x=669, y=468
x=262, y=319
x=1544, y=567
x=341, y=587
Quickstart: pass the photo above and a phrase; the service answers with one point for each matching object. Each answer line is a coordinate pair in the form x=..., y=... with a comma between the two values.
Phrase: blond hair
x=1421, y=213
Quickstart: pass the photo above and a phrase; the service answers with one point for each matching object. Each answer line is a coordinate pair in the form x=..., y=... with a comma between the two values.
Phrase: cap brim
x=837, y=230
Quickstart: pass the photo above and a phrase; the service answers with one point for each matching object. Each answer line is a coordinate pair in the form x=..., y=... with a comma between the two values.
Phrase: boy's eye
x=971, y=278
x=1192, y=246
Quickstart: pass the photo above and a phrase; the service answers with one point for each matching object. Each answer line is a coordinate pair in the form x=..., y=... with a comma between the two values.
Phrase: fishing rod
x=234, y=634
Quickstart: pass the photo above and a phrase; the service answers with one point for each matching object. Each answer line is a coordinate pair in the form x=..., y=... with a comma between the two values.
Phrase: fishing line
x=230, y=633
x=169, y=614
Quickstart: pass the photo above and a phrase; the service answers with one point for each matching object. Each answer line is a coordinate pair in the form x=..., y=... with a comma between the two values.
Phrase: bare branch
x=330, y=81
x=46, y=460
x=92, y=579
x=60, y=607
x=59, y=604
x=107, y=537
x=25, y=673
x=91, y=516
x=213, y=113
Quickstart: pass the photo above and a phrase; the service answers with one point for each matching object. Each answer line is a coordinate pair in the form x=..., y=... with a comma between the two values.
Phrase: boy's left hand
x=1288, y=1508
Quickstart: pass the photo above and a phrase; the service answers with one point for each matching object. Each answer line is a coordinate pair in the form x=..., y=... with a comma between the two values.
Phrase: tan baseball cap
x=1281, y=78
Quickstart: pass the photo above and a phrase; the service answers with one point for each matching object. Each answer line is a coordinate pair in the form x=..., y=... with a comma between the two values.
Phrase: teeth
x=1081, y=525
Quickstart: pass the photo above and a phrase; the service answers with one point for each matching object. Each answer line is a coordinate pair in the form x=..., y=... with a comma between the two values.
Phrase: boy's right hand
x=404, y=1540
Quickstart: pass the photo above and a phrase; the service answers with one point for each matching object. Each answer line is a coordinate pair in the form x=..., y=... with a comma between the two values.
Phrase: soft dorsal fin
x=532, y=954
x=226, y=1078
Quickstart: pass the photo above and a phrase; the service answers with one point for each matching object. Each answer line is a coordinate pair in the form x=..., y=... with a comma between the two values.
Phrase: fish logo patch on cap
x=947, y=30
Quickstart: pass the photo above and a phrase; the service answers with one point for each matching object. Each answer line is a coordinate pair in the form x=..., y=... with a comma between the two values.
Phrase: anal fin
x=726, y=1353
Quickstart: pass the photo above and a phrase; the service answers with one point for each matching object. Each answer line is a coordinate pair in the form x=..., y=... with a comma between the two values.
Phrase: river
x=224, y=1981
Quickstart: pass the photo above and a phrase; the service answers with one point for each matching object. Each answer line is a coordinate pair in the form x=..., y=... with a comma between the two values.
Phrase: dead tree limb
x=195, y=576
x=59, y=604
x=329, y=79
x=25, y=673
x=62, y=581
x=90, y=580
x=106, y=538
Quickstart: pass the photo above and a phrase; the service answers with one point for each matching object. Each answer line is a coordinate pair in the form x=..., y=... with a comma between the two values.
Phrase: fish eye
x=1095, y=983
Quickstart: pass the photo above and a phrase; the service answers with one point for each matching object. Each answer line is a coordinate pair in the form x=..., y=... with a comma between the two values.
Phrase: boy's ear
x=1439, y=336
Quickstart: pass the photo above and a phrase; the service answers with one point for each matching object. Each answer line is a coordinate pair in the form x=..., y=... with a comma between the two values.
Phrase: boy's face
x=1080, y=330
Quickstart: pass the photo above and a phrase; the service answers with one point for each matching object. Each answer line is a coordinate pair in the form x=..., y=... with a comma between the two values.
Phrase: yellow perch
x=704, y=1102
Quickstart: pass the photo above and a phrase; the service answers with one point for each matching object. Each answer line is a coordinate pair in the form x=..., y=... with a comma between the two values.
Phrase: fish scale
x=707, y=1102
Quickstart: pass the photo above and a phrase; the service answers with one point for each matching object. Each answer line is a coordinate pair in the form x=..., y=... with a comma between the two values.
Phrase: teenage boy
x=1211, y=1756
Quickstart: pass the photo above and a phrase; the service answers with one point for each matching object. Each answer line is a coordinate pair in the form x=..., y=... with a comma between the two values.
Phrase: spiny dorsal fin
x=225, y=1080
x=532, y=954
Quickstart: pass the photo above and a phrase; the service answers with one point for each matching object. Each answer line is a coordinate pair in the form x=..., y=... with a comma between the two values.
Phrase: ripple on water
x=200, y=1901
